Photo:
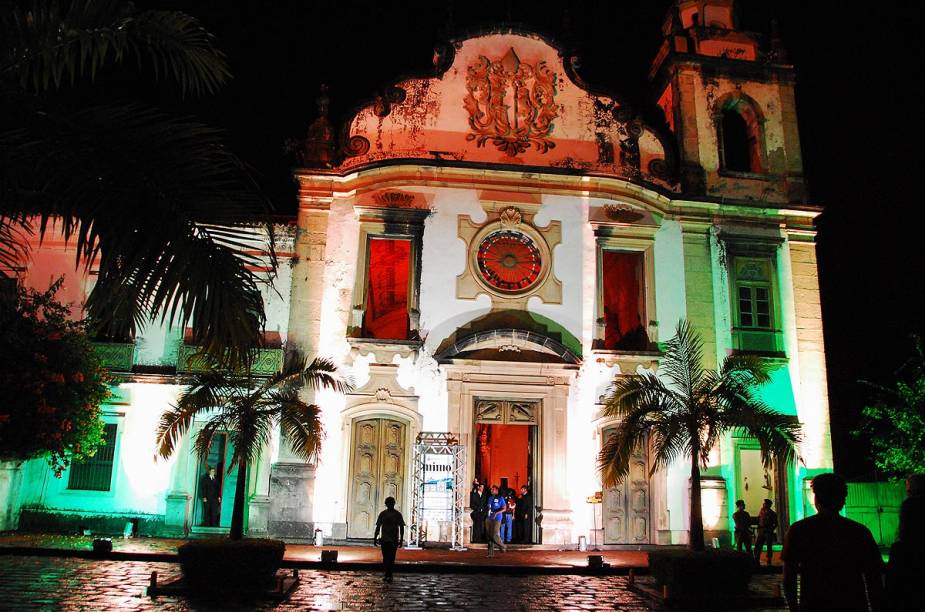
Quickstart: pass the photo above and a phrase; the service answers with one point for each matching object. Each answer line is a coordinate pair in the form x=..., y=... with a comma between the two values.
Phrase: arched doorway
x=378, y=458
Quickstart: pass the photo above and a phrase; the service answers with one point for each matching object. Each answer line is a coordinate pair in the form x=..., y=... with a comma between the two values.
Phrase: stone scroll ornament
x=511, y=104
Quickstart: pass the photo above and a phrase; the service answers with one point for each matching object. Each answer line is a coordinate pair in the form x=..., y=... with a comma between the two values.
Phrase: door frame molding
x=780, y=480
x=185, y=474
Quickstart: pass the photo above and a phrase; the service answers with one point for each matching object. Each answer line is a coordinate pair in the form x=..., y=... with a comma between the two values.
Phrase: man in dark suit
x=478, y=505
x=523, y=517
x=210, y=490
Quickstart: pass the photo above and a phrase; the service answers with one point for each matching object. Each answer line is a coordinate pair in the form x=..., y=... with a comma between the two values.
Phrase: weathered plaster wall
x=700, y=95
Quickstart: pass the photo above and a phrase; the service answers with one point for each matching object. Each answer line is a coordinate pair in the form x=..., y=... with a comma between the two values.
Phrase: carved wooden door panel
x=378, y=464
x=392, y=468
x=626, y=507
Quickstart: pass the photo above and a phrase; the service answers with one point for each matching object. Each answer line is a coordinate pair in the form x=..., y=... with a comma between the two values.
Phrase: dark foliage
x=894, y=420
x=51, y=383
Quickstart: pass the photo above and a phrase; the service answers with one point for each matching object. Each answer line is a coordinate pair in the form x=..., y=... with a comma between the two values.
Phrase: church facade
x=484, y=250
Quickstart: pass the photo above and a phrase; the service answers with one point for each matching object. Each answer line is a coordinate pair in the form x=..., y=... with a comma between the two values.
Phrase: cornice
x=350, y=185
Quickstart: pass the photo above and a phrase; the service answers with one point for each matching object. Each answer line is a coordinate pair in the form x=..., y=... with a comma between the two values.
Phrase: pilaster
x=813, y=397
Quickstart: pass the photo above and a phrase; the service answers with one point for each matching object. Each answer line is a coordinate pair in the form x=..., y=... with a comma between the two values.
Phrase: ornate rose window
x=509, y=261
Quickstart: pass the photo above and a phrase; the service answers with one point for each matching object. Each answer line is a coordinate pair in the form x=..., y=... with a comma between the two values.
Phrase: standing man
x=836, y=558
x=496, y=506
x=767, y=531
x=477, y=506
x=392, y=525
x=743, y=527
x=522, y=516
x=210, y=489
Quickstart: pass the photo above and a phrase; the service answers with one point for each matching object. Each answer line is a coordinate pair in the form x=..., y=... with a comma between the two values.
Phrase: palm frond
x=301, y=424
x=629, y=394
x=637, y=401
x=147, y=194
x=747, y=370
x=250, y=434
x=50, y=43
x=323, y=374
x=776, y=433
x=669, y=441
x=617, y=451
x=174, y=422
x=14, y=240
x=207, y=390
x=683, y=359
x=206, y=435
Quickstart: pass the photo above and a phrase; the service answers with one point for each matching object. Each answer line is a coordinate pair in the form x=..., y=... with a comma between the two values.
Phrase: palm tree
x=687, y=417
x=249, y=409
x=166, y=210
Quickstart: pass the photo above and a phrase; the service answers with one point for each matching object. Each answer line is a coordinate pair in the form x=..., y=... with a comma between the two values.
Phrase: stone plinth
x=556, y=525
x=292, y=487
x=258, y=516
x=177, y=513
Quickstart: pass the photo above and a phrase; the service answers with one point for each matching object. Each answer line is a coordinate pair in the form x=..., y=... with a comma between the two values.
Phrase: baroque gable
x=508, y=99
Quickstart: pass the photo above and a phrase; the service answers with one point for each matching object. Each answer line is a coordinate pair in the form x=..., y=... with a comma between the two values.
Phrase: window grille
x=95, y=474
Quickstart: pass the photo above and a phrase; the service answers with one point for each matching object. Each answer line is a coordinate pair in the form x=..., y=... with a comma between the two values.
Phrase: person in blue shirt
x=496, y=507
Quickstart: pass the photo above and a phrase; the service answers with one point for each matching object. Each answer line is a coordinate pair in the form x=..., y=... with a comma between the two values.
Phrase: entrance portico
x=544, y=385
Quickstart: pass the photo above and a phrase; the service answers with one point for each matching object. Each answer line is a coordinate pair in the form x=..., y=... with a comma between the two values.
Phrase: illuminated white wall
x=140, y=482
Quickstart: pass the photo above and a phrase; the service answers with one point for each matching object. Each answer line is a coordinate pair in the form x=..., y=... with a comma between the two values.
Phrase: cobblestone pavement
x=48, y=583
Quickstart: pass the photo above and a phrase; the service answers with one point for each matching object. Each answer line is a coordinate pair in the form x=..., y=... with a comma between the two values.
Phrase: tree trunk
x=240, y=495
x=696, y=526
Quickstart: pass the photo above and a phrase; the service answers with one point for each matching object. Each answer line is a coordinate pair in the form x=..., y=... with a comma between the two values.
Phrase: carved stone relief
x=511, y=104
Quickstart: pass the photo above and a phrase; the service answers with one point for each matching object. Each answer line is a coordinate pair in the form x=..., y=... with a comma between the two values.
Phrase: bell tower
x=728, y=97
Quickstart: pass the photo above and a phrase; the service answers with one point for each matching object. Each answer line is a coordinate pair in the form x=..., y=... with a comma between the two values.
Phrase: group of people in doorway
x=500, y=516
x=836, y=561
x=766, y=521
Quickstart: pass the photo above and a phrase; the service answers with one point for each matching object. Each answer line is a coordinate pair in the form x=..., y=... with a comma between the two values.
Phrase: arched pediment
x=508, y=99
x=510, y=345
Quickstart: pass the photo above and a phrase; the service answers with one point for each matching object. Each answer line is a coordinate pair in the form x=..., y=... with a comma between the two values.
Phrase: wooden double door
x=625, y=509
x=377, y=471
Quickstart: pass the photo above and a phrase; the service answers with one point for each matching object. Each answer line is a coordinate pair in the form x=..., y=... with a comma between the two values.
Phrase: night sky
x=861, y=122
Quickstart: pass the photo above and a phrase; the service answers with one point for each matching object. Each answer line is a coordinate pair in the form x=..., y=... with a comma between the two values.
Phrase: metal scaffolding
x=430, y=443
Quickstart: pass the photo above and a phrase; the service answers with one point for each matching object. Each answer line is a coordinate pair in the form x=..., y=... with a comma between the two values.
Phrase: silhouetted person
x=505, y=490
x=392, y=525
x=767, y=531
x=496, y=506
x=522, y=516
x=478, y=511
x=905, y=573
x=210, y=490
x=743, y=527
x=836, y=558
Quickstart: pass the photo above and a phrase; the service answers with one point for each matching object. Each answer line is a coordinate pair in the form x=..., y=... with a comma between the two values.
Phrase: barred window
x=95, y=474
